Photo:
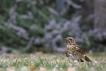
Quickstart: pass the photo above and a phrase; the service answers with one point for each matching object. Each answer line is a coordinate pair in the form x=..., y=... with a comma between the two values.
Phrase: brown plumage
x=74, y=52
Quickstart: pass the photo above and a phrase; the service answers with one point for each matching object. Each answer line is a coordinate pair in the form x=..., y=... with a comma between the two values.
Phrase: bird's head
x=70, y=40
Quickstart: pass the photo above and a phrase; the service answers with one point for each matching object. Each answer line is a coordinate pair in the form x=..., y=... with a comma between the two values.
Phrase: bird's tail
x=87, y=59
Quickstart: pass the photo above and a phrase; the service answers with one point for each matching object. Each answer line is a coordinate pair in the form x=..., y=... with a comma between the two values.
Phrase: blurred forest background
x=42, y=25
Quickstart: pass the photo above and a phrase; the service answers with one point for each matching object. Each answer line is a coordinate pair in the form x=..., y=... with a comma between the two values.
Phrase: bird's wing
x=77, y=48
x=67, y=54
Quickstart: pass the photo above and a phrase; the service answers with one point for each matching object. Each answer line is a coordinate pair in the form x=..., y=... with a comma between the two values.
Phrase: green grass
x=50, y=62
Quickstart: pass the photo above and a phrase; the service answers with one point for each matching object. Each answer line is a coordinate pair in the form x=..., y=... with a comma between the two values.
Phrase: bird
x=74, y=51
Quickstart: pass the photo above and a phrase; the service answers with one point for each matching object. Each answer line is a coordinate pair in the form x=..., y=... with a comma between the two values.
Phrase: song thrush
x=74, y=52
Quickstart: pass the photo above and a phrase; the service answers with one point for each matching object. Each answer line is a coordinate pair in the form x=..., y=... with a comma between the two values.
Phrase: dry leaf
x=40, y=53
x=10, y=69
x=19, y=60
x=32, y=68
x=42, y=69
x=71, y=69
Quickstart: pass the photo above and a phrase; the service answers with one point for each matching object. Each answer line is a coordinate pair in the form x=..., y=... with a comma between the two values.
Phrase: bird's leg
x=80, y=60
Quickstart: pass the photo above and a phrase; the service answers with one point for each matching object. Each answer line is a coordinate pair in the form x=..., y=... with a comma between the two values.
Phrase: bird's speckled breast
x=70, y=47
x=72, y=53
